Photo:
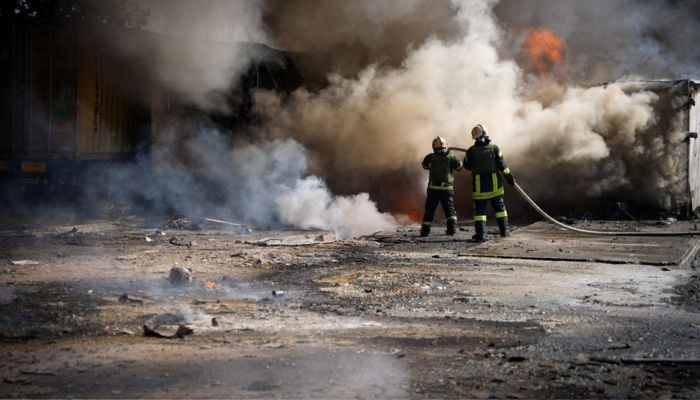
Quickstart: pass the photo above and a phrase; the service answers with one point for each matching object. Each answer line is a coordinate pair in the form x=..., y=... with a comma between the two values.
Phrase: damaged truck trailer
x=72, y=107
x=671, y=149
x=68, y=111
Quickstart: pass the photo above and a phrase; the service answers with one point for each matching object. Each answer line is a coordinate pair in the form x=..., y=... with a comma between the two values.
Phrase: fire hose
x=537, y=208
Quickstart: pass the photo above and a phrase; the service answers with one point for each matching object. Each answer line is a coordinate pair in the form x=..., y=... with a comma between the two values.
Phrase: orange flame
x=544, y=49
x=209, y=284
x=410, y=208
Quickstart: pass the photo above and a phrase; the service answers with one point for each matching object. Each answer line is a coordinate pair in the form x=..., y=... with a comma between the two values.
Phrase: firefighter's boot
x=479, y=227
x=424, y=230
x=503, y=226
x=451, y=223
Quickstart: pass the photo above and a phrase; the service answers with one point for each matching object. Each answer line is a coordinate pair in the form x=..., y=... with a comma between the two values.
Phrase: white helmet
x=439, y=143
x=479, y=131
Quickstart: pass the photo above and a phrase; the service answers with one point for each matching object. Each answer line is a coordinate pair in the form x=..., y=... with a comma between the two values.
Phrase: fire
x=209, y=284
x=544, y=49
x=409, y=208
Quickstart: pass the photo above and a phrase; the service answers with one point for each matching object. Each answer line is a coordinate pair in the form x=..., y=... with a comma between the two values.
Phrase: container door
x=694, y=155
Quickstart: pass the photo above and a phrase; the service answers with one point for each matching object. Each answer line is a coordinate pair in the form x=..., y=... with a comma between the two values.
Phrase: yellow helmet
x=439, y=142
x=479, y=131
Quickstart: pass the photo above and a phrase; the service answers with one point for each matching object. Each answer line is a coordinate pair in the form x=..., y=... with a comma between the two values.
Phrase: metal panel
x=62, y=106
x=7, y=87
x=37, y=117
x=694, y=153
x=38, y=137
x=109, y=117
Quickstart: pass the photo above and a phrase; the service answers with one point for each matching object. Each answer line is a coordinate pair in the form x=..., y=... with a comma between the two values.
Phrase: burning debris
x=208, y=283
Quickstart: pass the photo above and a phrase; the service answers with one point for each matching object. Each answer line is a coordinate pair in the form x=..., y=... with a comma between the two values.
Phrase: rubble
x=180, y=333
x=125, y=298
x=182, y=223
x=529, y=327
x=180, y=276
x=177, y=241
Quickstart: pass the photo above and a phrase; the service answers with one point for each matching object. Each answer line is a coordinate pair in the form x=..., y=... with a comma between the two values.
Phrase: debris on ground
x=125, y=298
x=24, y=262
x=71, y=232
x=541, y=323
x=180, y=333
x=180, y=276
x=182, y=223
x=234, y=227
x=297, y=240
x=177, y=241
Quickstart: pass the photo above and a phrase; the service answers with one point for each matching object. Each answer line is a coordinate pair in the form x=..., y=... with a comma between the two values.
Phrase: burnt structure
x=71, y=106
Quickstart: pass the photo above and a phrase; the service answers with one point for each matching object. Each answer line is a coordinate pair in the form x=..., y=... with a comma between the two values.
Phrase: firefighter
x=441, y=165
x=486, y=163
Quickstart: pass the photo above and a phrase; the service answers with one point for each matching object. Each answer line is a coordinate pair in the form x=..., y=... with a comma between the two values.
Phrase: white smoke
x=272, y=179
x=265, y=183
x=309, y=204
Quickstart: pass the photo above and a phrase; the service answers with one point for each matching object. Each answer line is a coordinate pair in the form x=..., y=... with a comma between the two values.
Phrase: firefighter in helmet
x=485, y=160
x=441, y=165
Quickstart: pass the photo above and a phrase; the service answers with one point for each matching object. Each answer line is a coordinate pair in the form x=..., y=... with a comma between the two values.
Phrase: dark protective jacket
x=442, y=166
x=485, y=160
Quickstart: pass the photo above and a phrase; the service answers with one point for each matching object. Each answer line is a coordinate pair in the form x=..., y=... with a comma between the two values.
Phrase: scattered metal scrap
x=297, y=240
x=180, y=333
x=239, y=228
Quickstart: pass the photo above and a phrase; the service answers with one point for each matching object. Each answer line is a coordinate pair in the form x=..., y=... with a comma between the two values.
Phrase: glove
x=510, y=179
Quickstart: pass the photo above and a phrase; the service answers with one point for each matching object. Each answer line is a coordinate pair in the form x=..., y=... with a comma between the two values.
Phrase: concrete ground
x=544, y=313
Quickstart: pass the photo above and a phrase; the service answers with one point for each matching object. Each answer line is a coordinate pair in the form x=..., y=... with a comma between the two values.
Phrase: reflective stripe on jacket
x=485, y=160
x=442, y=167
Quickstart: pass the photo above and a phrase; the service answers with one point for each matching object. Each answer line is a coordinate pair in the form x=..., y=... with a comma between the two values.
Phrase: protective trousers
x=444, y=197
x=499, y=209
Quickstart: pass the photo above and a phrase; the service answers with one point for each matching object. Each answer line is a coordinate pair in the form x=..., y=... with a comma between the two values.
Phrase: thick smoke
x=395, y=74
x=196, y=57
x=195, y=51
x=568, y=144
x=346, y=36
x=616, y=39
x=266, y=183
